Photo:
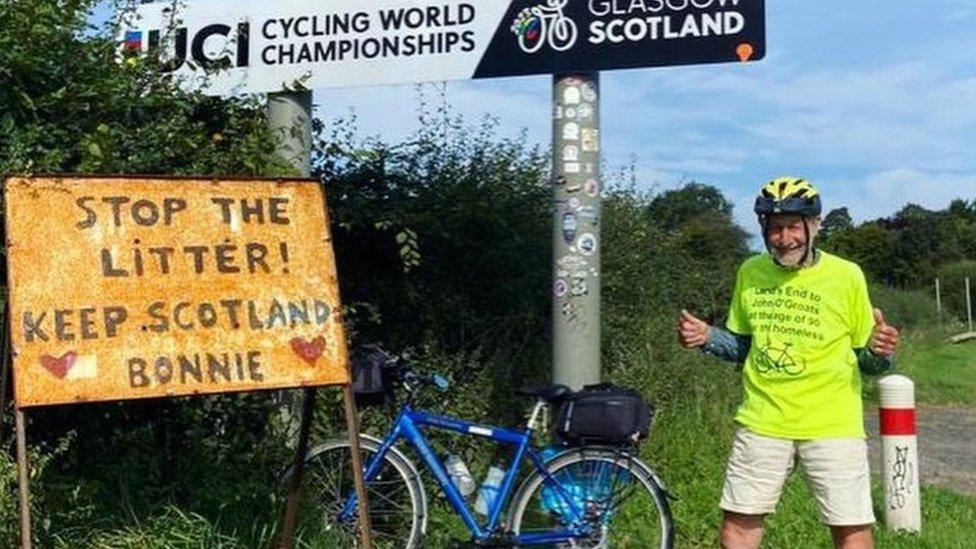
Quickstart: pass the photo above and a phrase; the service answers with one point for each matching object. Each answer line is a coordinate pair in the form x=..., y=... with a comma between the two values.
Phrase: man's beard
x=790, y=258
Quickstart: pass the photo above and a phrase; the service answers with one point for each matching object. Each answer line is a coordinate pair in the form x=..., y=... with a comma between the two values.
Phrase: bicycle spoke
x=393, y=504
x=619, y=503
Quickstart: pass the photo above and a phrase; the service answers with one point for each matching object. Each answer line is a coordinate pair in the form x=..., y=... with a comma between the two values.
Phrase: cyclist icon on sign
x=545, y=23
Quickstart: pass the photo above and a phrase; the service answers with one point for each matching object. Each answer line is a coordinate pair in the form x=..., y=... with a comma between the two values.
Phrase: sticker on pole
x=125, y=288
x=255, y=47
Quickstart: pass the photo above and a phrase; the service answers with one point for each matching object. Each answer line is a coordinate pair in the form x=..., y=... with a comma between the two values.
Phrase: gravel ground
x=946, y=446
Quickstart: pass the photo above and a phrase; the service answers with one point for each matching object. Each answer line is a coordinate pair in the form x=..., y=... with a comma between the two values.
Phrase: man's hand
x=884, y=339
x=692, y=331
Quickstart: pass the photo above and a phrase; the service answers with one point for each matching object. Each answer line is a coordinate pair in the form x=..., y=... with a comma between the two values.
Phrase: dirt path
x=946, y=446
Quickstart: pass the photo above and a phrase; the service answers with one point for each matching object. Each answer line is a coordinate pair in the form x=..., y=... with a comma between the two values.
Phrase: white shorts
x=836, y=470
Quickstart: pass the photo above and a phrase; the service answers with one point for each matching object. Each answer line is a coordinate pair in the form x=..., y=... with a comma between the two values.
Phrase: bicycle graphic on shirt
x=543, y=24
x=778, y=359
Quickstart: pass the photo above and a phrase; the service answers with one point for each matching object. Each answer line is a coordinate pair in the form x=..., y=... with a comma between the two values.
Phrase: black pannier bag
x=369, y=384
x=602, y=414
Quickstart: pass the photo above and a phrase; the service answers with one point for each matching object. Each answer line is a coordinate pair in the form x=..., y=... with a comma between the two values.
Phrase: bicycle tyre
x=641, y=519
x=397, y=503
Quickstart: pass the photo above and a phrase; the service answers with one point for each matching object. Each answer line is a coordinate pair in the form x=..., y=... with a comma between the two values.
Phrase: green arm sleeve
x=872, y=364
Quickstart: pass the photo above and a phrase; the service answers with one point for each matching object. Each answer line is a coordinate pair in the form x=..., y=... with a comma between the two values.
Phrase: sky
x=874, y=101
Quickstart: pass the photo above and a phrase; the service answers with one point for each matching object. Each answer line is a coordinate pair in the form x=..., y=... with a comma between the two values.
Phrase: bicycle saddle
x=549, y=394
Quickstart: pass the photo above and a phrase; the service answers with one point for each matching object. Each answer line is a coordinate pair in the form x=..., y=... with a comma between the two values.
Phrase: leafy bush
x=906, y=309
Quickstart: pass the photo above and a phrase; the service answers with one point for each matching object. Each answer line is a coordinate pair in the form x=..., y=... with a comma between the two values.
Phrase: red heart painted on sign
x=59, y=366
x=309, y=351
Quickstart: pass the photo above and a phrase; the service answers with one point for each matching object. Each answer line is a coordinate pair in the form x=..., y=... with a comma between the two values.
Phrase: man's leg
x=757, y=468
x=853, y=537
x=741, y=531
x=839, y=477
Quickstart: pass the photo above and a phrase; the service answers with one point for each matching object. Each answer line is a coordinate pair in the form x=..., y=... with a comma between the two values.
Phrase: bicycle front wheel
x=397, y=507
x=609, y=496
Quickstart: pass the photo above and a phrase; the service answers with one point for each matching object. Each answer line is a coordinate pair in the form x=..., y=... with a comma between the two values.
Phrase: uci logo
x=232, y=51
x=545, y=23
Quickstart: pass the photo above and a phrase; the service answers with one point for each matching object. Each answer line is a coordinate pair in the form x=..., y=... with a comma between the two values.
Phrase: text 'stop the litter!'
x=255, y=46
x=125, y=288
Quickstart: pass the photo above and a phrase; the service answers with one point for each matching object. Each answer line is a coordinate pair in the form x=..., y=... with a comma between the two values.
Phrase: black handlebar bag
x=370, y=386
x=603, y=414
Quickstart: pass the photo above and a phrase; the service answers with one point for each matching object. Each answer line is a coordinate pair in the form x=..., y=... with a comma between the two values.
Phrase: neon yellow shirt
x=801, y=379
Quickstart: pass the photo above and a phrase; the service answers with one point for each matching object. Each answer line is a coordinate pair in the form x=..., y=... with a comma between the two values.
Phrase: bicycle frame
x=407, y=426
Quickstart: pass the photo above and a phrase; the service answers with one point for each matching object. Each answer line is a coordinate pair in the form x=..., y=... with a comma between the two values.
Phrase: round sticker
x=559, y=288
x=585, y=111
x=570, y=112
x=586, y=244
x=591, y=187
x=574, y=203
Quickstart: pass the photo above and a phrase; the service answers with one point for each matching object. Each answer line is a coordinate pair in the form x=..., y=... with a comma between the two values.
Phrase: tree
x=68, y=105
x=671, y=209
x=836, y=220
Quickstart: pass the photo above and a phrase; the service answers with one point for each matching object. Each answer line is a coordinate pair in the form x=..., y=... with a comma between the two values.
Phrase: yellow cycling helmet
x=790, y=195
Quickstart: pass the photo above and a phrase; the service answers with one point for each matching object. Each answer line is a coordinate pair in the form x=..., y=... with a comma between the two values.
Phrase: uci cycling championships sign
x=267, y=46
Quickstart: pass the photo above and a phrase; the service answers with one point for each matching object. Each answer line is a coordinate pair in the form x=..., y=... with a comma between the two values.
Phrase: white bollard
x=899, y=451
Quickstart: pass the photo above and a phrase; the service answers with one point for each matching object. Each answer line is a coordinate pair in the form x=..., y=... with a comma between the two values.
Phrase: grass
x=692, y=432
x=693, y=463
x=688, y=448
x=691, y=439
x=944, y=373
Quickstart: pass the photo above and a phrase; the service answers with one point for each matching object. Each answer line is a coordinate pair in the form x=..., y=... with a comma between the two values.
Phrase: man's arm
x=727, y=345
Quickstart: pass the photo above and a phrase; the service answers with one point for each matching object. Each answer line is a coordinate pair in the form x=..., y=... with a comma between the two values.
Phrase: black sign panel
x=560, y=36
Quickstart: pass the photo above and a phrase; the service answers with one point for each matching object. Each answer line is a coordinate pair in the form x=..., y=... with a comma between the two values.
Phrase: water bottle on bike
x=489, y=490
x=460, y=475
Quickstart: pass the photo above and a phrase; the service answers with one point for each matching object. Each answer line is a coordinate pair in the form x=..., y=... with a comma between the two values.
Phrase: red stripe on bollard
x=897, y=421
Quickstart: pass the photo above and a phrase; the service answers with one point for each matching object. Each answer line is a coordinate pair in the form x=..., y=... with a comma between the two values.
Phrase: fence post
x=969, y=306
x=899, y=451
x=938, y=299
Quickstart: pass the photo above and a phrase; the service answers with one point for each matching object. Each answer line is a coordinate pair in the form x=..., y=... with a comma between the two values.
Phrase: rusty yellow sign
x=124, y=288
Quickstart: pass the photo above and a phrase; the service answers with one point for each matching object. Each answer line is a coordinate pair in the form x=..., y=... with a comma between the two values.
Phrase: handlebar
x=400, y=371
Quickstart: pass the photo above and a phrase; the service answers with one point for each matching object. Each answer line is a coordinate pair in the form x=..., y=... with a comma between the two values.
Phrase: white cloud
x=877, y=115
x=882, y=193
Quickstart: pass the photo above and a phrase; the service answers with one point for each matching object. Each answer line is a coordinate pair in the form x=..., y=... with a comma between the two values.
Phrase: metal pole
x=938, y=300
x=969, y=306
x=576, y=229
x=24, y=479
x=290, y=121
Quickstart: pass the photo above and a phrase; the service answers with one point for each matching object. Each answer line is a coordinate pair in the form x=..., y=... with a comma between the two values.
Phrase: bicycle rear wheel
x=397, y=507
x=619, y=501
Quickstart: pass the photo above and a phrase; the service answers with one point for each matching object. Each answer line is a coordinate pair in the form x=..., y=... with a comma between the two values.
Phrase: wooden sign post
x=128, y=288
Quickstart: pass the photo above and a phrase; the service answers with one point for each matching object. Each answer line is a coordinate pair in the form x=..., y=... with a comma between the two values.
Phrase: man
x=802, y=323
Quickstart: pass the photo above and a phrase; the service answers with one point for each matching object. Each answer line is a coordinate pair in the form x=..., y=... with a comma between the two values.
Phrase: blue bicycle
x=584, y=496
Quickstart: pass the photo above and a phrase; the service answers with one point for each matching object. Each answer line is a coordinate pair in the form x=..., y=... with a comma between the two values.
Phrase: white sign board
x=270, y=46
